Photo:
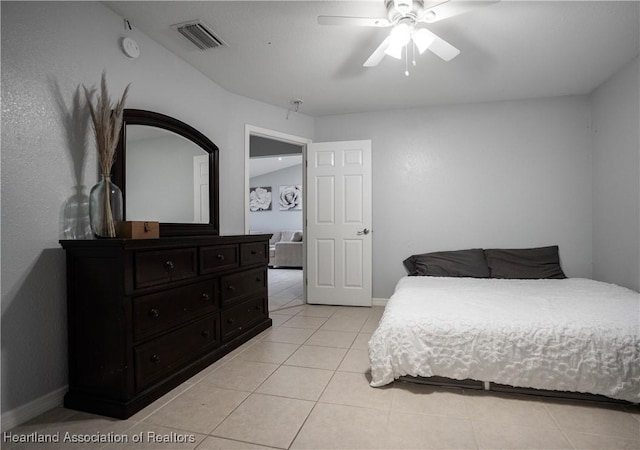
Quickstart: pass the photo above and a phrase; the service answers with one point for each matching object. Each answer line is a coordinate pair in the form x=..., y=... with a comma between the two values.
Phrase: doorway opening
x=275, y=204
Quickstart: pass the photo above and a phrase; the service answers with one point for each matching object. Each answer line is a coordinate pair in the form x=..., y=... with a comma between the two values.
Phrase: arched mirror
x=168, y=173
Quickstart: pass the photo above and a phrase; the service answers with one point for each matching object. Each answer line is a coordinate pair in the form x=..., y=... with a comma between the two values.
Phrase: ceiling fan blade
x=354, y=21
x=378, y=53
x=423, y=39
x=439, y=46
x=450, y=8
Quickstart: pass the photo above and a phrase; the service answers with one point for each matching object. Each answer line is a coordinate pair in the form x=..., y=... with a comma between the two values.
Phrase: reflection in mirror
x=167, y=177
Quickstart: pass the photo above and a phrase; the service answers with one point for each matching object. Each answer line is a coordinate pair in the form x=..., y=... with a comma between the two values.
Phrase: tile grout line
x=321, y=393
x=254, y=392
x=201, y=380
x=562, y=431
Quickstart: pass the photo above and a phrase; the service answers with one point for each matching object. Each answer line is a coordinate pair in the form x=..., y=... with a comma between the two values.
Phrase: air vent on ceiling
x=200, y=34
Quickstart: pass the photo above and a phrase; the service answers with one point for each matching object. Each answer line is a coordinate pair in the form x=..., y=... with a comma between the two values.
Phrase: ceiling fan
x=406, y=16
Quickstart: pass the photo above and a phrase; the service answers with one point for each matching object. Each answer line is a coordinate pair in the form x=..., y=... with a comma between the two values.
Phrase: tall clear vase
x=105, y=207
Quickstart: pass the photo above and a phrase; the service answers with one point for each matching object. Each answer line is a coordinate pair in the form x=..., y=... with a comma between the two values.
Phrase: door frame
x=251, y=130
x=197, y=191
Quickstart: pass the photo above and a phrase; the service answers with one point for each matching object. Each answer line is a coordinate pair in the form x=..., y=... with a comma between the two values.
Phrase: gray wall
x=276, y=220
x=49, y=49
x=616, y=179
x=509, y=174
x=160, y=178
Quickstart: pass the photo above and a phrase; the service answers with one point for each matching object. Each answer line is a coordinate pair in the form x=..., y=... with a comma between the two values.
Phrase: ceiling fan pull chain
x=406, y=61
x=413, y=52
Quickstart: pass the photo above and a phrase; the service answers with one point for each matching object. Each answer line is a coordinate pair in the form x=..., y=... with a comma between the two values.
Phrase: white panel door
x=338, y=223
x=201, y=189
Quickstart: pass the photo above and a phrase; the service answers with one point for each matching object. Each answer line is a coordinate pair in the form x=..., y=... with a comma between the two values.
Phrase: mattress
x=571, y=334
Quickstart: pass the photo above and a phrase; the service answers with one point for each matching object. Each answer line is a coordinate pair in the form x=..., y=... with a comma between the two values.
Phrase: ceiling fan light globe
x=423, y=39
x=400, y=35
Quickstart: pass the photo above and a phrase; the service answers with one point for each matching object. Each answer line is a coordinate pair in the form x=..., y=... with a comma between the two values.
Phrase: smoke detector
x=200, y=34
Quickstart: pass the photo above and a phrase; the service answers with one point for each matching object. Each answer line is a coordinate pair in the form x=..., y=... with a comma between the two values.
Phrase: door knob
x=365, y=231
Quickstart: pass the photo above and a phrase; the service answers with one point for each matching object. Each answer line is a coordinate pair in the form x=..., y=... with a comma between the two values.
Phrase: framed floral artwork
x=260, y=198
x=290, y=198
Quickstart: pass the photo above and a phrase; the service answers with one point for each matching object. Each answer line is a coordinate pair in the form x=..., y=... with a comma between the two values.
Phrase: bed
x=551, y=333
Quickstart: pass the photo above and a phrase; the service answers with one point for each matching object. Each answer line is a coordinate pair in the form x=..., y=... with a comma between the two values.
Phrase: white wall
x=160, y=178
x=509, y=174
x=48, y=50
x=276, y=220
x=616, y=178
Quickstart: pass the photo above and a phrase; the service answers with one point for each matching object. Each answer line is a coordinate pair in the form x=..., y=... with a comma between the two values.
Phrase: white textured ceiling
x=509, y=50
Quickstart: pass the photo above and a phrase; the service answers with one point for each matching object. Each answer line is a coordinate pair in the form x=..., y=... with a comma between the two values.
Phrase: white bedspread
x=574, y=334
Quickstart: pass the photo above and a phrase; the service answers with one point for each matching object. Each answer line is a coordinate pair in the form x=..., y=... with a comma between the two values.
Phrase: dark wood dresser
x=144, y=315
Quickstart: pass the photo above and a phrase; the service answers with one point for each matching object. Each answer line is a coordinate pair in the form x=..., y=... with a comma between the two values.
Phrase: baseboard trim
x=21, y=414
x=379, y=301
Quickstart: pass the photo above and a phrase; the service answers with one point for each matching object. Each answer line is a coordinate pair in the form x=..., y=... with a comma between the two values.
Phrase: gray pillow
x=524, y=263
x=457, y=263
x=296, y=236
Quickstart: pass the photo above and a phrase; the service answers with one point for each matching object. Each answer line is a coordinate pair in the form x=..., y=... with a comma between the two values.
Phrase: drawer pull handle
x=205, y=296
x=205, y=333
x=253, y=252
x=258, y=279
x=231, y=287
x=155, y=359
x=220, y=257
x=169, y=265
x=154, y=313
x=230, y=321
x=258, y=307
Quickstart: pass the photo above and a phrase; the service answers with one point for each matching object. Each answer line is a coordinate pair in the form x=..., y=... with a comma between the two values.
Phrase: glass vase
x=77, y=224
x=105, y=207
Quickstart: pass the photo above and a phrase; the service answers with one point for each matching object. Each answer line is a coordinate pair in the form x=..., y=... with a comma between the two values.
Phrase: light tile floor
x=285, y=288
x=304, y=384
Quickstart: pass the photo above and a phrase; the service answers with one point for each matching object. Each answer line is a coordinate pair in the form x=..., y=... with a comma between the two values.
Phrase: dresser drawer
x=242, y=316
x=219, y=257
x=157, y=312
x=167, y=353
x=164, y=266
x=234, y=287
x=254, y=253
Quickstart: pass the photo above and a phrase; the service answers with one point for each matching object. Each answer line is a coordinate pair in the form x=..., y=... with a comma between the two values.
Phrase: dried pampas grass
x=107, y=123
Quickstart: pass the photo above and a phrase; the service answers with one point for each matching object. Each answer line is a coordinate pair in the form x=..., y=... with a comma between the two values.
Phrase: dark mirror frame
x=154, y=119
